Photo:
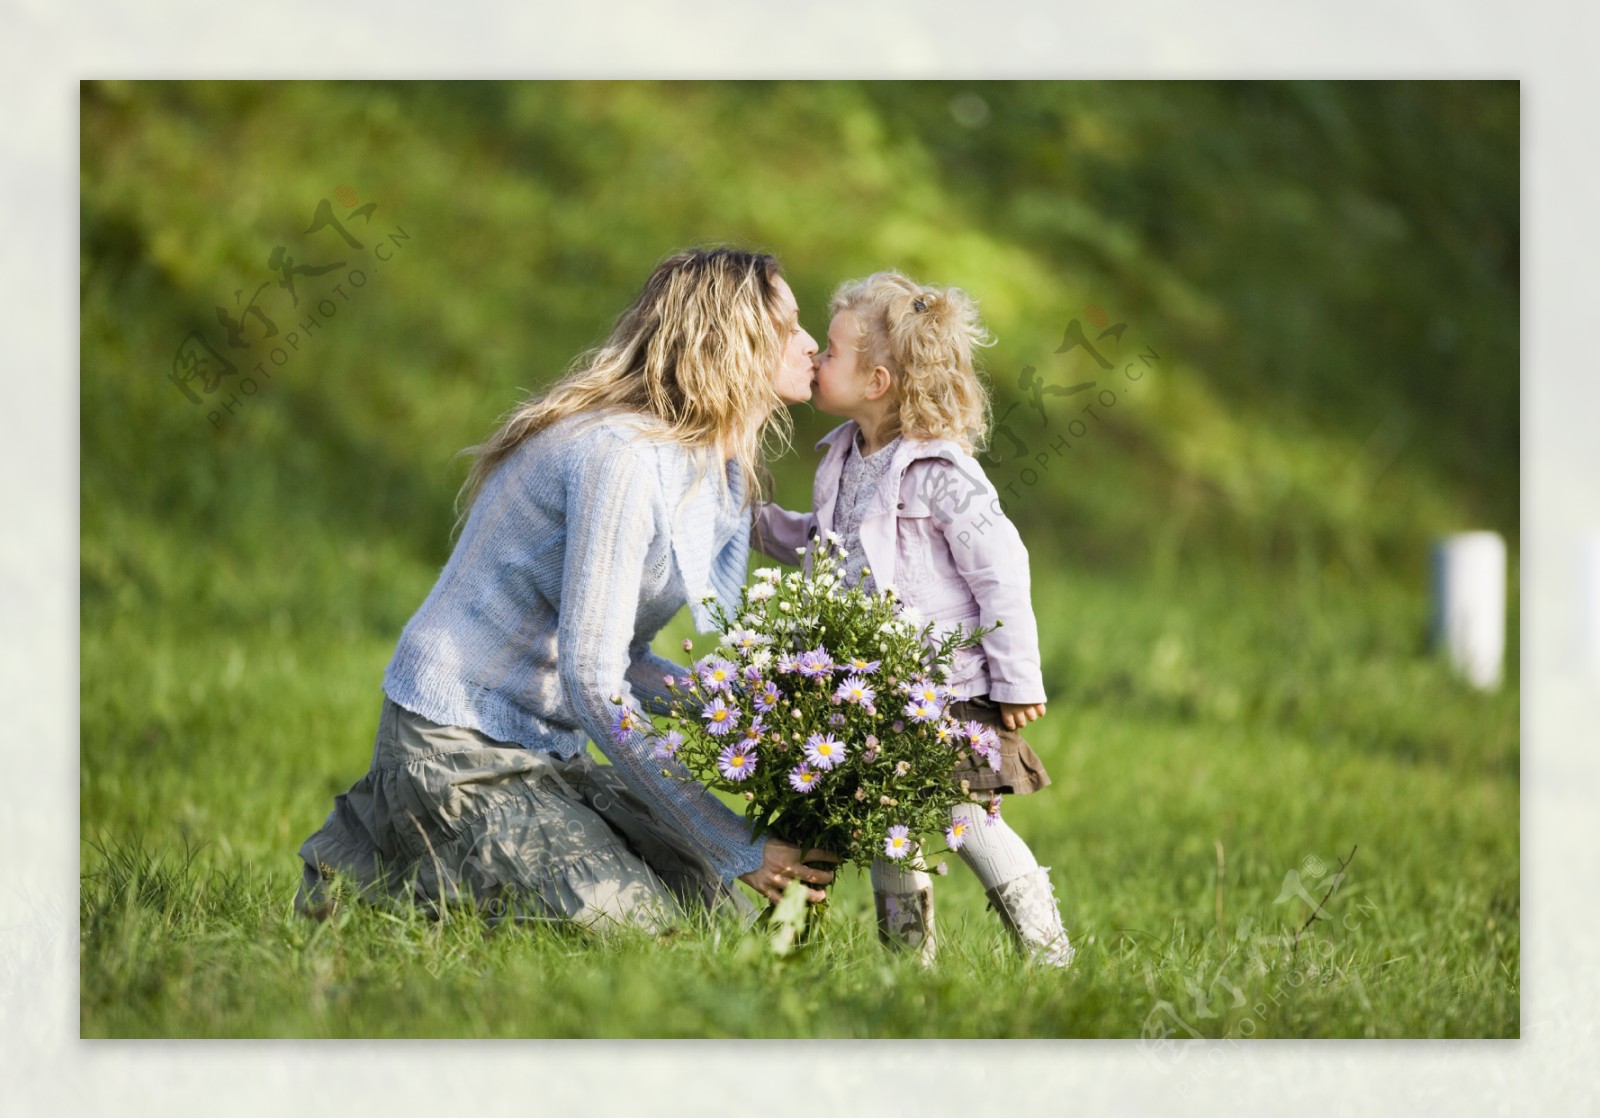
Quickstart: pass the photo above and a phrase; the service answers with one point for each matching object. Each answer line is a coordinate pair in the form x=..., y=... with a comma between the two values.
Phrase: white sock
x=904, y=877
x=995, y=853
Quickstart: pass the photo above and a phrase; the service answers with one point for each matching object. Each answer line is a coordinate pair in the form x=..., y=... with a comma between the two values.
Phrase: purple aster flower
x=921, y=711
x=992, y=810
x=717, y=674
x=973, y=730
x=824, y=751
x=752, y=675
x=768, y=697
x=902, y=768
x=814, y=663
x=736, y=762
x=747, y=639
x=624, y=722
x=667, y=745
x=752, y=733
x=719, y=714
x=836, y=720
x=861, y=664
x=855, y=690
x=803, y=778
x=787, y=662
x=955, y=835
x=898, y=843
x=947, y=732
x=926, y=690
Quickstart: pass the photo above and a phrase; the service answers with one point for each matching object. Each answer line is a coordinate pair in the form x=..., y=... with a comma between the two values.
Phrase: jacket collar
x=840, y=439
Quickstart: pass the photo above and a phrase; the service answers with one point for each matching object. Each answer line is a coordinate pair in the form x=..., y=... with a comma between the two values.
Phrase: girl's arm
x=990, y=557
x=778, y=533
x=611, y=518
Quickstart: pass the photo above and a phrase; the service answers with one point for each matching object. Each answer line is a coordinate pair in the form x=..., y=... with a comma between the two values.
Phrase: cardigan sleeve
x=779, y=533
x=611, y=519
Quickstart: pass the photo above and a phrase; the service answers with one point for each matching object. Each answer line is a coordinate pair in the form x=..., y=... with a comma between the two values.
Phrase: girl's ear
x=878, y=382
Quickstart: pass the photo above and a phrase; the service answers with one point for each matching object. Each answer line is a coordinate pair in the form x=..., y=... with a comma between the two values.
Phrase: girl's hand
x=782, y=862
x=1018, y=715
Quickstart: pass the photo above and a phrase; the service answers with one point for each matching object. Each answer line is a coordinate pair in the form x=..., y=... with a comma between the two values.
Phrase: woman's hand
x=1018, y=715
x=782, y=863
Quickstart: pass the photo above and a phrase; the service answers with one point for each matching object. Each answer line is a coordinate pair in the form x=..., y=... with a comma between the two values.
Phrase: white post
x=1469, y=604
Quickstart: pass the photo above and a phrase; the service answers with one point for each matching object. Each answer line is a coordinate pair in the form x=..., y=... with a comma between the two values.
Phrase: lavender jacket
x=934, y=532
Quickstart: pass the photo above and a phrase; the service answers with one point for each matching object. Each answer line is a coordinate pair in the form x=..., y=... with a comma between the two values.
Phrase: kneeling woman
x=593, y=514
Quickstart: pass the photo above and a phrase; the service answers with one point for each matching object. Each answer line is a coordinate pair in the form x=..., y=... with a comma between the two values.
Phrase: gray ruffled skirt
x=448, y=815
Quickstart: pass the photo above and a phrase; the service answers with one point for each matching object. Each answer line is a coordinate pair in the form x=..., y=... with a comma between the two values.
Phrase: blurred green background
x=1232, y=557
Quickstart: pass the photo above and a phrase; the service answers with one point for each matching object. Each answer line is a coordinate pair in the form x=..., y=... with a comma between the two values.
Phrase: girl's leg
x=903, y=895
x=1017, y=886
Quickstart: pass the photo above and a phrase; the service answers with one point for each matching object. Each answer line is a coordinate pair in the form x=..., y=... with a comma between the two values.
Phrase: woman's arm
x=646, y=677
x=778, y=533
x=611, y=518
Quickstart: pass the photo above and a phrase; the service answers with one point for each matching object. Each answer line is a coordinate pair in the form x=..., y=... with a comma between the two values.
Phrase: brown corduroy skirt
x=1020, y=770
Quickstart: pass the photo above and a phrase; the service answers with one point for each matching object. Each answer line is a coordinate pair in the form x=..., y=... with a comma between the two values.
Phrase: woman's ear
x=878, y=382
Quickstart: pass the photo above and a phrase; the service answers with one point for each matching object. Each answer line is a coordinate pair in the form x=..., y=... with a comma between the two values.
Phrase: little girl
x=913, y=511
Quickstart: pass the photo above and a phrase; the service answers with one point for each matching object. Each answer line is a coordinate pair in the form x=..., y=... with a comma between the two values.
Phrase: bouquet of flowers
x=824, y=708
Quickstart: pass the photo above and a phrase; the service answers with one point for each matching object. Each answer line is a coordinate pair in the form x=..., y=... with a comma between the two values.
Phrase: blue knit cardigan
x=579, y=548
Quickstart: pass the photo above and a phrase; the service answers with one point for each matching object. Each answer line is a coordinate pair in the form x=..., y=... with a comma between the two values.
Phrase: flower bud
x=688, y=645
x=748, y=795
x=861, y=794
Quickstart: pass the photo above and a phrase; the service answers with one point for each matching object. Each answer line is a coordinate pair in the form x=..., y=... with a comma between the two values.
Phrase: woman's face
x=792, y=382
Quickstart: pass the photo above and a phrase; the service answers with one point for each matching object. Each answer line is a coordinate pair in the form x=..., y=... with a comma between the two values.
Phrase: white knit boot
x=904, y=901
x=1027, y=905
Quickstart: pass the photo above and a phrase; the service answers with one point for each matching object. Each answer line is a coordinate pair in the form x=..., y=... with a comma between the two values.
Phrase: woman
x=592, y=515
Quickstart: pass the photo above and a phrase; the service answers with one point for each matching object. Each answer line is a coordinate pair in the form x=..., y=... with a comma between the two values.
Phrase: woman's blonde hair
x=925, y=337
x=697, y=350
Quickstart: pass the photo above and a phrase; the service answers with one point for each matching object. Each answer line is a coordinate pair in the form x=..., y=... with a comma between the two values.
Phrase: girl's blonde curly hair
x=925, y=337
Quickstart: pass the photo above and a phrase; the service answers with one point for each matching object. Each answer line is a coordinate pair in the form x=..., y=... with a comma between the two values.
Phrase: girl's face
x=792, y=381
x=842, y=376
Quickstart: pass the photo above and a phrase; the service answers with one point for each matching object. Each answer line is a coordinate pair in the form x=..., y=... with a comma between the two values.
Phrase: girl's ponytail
x=925, y=337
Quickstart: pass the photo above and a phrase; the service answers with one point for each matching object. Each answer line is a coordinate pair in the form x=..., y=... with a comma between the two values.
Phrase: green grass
x=1229, y=566
x=1179, y=721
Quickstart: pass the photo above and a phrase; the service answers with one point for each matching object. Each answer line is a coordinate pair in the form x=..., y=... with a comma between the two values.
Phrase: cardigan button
x=900, y=505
